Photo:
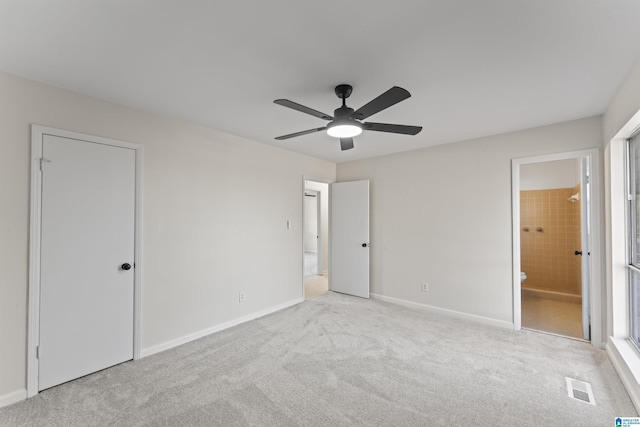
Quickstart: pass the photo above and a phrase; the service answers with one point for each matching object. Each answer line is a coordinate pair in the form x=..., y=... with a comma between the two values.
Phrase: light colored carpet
x=336, y=360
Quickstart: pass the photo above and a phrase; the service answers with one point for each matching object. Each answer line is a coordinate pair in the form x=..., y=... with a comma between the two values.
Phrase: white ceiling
x=474, y=68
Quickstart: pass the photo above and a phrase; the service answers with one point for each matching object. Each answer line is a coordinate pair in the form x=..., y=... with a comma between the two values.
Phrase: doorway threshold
x=556, y=335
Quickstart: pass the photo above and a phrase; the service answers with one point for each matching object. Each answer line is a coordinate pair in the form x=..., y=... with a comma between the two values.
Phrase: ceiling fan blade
x=386, y=100
x=304, y=132
x=346, y=143
x=386, y=127
x=302, y=109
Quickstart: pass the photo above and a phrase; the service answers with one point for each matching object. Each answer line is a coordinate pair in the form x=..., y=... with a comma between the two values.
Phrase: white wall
x=443, y=215
x=549, y=175
x=201, y=187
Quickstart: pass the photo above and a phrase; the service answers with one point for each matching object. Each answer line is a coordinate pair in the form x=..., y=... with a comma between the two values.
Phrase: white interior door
x=86, y=290
x=349, y=270
x=585, y=227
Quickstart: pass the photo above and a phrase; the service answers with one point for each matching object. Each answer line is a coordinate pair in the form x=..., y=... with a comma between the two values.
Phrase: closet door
x=349, y=270
x=87, y=253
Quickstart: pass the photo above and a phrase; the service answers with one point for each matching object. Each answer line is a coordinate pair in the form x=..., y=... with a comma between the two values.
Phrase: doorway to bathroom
x=315, y=238
x=553, y=232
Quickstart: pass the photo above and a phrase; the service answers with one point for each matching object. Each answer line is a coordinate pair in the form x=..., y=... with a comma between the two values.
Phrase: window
x=633, y=234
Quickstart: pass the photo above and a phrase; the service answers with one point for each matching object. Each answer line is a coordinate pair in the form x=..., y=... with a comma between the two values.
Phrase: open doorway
x=572, y=257
x=552, y=218
x=315, y=238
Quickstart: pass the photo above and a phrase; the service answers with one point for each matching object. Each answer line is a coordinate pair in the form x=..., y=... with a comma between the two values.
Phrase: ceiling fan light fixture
x=347, y=123
x=344, y=130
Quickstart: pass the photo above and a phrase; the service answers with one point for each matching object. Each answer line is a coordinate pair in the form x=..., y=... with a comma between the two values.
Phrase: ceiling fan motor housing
x=343, y=113
x=343, y=125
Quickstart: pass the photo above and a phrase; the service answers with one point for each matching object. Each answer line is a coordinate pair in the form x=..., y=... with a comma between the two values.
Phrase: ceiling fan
x=347, y=123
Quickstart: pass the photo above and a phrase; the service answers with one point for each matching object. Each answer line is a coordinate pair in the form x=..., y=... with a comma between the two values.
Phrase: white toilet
x=523, y=276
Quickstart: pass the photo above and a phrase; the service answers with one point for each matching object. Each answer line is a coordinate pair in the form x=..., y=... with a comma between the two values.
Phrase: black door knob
x=364, y=245
x=126, y=266
x=577, y=253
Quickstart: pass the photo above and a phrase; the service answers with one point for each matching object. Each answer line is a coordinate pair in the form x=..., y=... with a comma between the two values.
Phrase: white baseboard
x=453, y=313
x=217, y=328
x=13, y=397
x=626, y=362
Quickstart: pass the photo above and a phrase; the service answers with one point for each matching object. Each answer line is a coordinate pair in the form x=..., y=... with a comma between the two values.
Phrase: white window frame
x=623, y=354
x=631, y=230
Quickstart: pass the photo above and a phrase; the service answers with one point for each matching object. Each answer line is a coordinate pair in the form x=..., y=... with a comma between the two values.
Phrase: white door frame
x=35, y=236
x=593, y=156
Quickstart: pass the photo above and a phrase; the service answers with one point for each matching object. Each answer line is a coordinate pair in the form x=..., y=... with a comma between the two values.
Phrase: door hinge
x=38, y=352
x=588, y=179
x=42, y=162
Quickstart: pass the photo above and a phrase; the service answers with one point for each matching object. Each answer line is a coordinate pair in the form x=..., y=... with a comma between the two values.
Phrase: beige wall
x=443, y=215
x=547, y=255
x=200, y=191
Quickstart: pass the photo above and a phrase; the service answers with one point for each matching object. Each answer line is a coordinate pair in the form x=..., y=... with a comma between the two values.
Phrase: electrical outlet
x=425, y=287
x=241, y=296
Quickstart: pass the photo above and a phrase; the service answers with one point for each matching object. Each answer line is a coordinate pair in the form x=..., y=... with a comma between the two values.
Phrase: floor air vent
x=580, y=390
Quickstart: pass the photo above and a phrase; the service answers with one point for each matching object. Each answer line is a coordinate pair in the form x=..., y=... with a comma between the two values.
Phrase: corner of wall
x=624, y=104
